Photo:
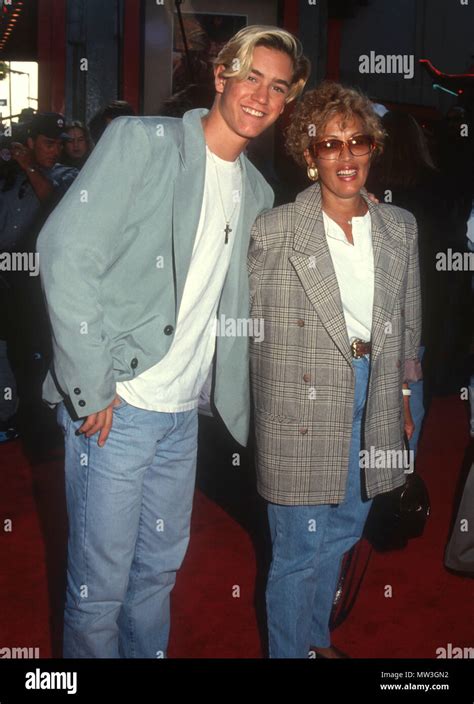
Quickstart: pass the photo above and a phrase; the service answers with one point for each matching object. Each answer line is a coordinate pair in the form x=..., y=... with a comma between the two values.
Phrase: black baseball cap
x=49, y=124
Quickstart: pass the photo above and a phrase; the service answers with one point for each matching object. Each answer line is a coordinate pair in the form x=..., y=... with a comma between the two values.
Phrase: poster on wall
x=206, y=34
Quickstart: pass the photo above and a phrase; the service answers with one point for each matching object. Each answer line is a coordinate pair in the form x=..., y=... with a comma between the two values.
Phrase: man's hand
x=22, y=155
x=100, y=422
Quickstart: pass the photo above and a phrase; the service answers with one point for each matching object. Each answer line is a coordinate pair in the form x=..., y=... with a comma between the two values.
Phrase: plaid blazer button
x=300, y=323
x=303, y=431
x=306, y=378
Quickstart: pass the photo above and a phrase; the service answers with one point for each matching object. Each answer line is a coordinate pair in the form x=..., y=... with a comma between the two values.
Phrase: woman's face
x=76, y=148
x=346, y=174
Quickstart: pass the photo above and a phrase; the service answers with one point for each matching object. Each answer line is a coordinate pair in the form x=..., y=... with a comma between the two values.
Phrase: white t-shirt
x=174, y=384
x=354, y=267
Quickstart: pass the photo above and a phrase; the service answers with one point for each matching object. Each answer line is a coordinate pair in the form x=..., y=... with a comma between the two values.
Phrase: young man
x=147, y=248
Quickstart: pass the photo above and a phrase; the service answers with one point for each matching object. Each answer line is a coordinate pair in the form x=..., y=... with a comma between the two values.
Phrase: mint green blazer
x=114, y=256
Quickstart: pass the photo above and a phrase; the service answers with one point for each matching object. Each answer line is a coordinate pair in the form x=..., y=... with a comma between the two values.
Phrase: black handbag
x=398, y=515
x=394, y=518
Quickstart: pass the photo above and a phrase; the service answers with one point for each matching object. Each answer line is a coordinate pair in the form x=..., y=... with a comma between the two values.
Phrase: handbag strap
x=351, y=588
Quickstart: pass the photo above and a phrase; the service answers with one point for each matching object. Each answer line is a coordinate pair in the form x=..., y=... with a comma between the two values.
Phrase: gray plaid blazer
x=302, y=376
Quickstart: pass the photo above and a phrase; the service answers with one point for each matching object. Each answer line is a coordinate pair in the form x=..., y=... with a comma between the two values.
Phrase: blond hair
x=236, y=56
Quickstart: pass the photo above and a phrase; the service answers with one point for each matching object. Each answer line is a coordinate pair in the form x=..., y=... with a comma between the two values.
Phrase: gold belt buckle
x=354, y=350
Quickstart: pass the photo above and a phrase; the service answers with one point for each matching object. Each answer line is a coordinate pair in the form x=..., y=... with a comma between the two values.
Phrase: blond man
x=145, y=251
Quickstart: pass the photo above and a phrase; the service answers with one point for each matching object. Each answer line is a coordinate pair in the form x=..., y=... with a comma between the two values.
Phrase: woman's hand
x=409, y=424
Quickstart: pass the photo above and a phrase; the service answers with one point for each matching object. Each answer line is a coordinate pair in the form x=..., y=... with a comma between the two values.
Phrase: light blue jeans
x=129, y=509
x=416, y=407
x=306, y=563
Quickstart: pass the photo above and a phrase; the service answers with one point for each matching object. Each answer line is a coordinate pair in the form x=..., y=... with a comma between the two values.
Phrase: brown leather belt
x=359, y=348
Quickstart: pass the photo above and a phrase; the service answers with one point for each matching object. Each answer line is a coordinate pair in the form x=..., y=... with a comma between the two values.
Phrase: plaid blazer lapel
x=390, y=261
x=313, y=264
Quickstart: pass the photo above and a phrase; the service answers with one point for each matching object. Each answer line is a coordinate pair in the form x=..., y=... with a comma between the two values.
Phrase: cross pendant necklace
x=228, y=229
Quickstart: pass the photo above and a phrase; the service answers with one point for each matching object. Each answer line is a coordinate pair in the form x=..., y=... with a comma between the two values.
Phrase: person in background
x=335, y=279
x=190, y=98
x=29, y=191
x=453, y=152
x=79, y=145
x=103, y=118
x=405, y=175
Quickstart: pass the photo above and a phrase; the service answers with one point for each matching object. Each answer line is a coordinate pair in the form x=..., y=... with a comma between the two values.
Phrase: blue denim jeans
x=306, y=562
x=416, y=407
x=129, y=509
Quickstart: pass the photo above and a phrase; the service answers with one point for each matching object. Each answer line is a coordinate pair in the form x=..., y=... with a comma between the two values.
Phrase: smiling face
x=249, y=106
x=344, y=176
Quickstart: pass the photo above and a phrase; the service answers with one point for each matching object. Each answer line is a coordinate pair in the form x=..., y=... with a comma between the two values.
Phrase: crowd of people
x=41, y=155
x=126, y=349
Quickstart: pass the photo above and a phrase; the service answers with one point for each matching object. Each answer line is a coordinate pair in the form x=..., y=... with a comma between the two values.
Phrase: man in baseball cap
x=48, y=124
x=26, y=200
x=42, y=174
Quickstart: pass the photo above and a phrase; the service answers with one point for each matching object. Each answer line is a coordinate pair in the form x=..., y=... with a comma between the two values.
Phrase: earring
x=313, y=173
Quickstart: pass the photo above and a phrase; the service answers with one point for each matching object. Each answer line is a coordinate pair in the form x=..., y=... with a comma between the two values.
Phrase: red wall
x=51, y=55
x=131, y=58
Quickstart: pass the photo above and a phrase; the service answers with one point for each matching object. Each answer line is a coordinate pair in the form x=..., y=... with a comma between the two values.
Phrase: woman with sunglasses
x=335, y=279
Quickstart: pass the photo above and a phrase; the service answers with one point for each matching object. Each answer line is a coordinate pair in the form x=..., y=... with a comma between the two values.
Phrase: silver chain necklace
x=228, y=228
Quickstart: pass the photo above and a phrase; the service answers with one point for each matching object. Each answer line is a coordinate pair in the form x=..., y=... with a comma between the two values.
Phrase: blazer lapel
x=390, y=261
x=188, y=196
x=234, y=299
x=314, y=267
x=313, y=264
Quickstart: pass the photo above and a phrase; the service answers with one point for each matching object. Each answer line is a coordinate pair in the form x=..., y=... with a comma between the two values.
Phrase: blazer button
x=134, y=363
x=82, y=403
x=303, y=431
x=169, y=329
x=306, y=378
x=399, y=364
x=300, y=323
x=77, y=391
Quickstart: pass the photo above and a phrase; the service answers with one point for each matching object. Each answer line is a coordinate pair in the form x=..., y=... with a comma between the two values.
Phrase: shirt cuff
x=413, y=371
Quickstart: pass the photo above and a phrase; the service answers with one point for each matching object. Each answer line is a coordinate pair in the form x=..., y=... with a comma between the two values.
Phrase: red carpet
x=213, y=602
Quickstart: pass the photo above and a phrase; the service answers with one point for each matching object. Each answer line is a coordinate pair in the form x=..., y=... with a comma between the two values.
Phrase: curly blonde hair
x=319, y=106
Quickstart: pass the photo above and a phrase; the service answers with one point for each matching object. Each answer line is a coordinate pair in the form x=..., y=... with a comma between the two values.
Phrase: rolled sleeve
x=413, y=371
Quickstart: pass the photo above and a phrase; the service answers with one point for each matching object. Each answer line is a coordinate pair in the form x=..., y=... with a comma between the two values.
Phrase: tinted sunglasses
x=358, y=145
